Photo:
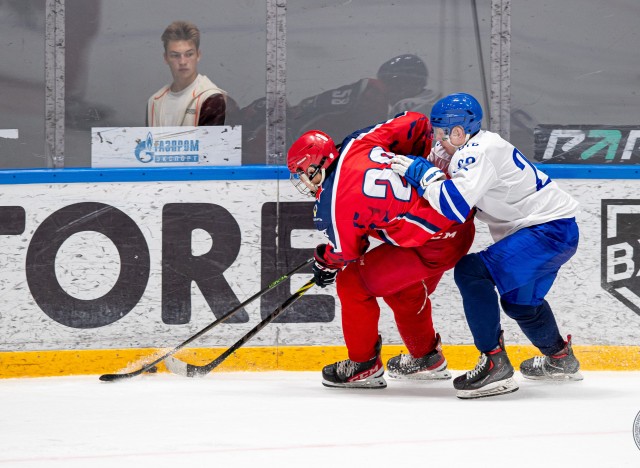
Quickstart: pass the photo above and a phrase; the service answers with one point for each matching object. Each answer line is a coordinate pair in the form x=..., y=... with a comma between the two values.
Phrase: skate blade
x=501, y=387
x=376, y=383
x=424, y=375
x=576, y=377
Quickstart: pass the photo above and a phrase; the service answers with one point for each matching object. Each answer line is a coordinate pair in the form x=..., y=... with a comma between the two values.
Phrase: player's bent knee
x=518, y=311
x=523, y=313
x=470, y=268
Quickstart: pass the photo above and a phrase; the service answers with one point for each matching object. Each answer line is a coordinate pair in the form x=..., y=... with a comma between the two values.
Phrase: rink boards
x=103, y=268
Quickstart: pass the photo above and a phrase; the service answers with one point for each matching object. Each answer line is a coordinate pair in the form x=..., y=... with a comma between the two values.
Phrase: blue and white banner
x=166, y=146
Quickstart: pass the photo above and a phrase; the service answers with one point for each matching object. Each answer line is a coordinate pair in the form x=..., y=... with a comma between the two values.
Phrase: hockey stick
x=151, y=365
x=179, y=367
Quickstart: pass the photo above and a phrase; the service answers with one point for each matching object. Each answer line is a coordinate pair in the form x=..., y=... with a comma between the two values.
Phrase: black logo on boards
x=621, y=251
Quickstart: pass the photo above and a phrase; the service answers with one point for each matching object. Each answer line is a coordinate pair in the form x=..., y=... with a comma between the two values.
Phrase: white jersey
x=492, y=175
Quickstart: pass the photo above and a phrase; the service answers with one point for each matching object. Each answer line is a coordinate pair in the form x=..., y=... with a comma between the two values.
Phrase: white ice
x=288, y=419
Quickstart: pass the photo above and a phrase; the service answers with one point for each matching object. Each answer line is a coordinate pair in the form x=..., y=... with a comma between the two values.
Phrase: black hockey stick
x=151, y=365
x=179, y=367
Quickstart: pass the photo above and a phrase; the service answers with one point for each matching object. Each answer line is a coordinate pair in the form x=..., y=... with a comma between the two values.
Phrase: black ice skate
x=493, y=375
x=561, y=366
x=351, y=374
x=431, y=366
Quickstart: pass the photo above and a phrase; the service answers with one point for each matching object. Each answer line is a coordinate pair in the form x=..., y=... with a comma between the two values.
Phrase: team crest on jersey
x=620, y=242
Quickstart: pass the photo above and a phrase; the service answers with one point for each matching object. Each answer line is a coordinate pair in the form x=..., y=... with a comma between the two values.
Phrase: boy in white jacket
x=191, y=99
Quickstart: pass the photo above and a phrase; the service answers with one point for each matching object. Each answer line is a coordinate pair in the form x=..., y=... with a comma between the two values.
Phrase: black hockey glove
x=322, y=274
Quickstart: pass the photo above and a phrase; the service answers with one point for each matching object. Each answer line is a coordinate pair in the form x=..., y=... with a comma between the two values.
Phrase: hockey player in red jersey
x=358, y=197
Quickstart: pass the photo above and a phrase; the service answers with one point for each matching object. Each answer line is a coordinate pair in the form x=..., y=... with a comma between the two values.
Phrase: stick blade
x=115, y=377
x=128, y=375
x=178, y=367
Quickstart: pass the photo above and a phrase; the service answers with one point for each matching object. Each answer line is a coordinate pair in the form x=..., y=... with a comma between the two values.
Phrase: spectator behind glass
x=191, y=99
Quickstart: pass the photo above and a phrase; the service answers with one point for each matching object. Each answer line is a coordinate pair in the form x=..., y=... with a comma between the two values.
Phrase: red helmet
x=313, y=149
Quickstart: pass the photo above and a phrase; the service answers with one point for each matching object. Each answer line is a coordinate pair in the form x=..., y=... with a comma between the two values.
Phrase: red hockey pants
x=404, y=278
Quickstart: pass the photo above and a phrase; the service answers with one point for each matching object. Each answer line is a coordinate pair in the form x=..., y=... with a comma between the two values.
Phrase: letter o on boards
x=41, y=272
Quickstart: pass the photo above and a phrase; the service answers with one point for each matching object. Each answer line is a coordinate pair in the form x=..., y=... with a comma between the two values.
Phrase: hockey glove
x=322, y=274
x=417, y=171
x=440, y=158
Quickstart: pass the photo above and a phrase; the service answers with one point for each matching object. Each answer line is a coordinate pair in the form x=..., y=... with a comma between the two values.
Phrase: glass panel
x=574, y=63
x=115, y=62
x=341, y=72
x=22, y=98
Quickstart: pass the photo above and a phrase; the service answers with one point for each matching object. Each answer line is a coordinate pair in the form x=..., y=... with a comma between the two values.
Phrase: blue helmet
x=457, y=109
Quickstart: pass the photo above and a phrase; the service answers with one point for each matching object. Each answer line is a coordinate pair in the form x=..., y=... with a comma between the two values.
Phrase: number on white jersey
x=523, y=164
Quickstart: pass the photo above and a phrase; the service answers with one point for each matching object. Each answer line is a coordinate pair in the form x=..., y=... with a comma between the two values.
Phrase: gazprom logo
x=167, y=150
x=144, y=150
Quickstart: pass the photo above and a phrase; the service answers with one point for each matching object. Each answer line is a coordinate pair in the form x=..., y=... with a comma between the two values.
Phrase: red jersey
x=363, y=197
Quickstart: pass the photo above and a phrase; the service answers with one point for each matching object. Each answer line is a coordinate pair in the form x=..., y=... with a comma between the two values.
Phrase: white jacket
x=203, y=88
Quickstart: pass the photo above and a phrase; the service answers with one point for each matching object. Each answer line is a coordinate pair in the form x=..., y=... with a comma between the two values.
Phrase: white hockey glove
x=417, y=171
x=440, y=158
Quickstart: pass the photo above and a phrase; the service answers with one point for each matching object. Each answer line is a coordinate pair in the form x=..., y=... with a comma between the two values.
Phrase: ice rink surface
x=288, y=419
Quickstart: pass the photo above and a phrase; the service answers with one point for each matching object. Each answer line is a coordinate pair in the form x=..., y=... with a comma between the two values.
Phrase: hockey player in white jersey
x=532, y=223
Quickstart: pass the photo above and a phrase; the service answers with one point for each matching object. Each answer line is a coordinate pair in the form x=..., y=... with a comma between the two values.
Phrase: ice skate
x=561, y=366
x=493, y=375
x=431, y=366
x=351, y=374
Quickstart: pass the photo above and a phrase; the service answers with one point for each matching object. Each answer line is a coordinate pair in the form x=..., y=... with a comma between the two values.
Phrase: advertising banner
x=166, y=146
x=148, y=264
x=587, y=144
